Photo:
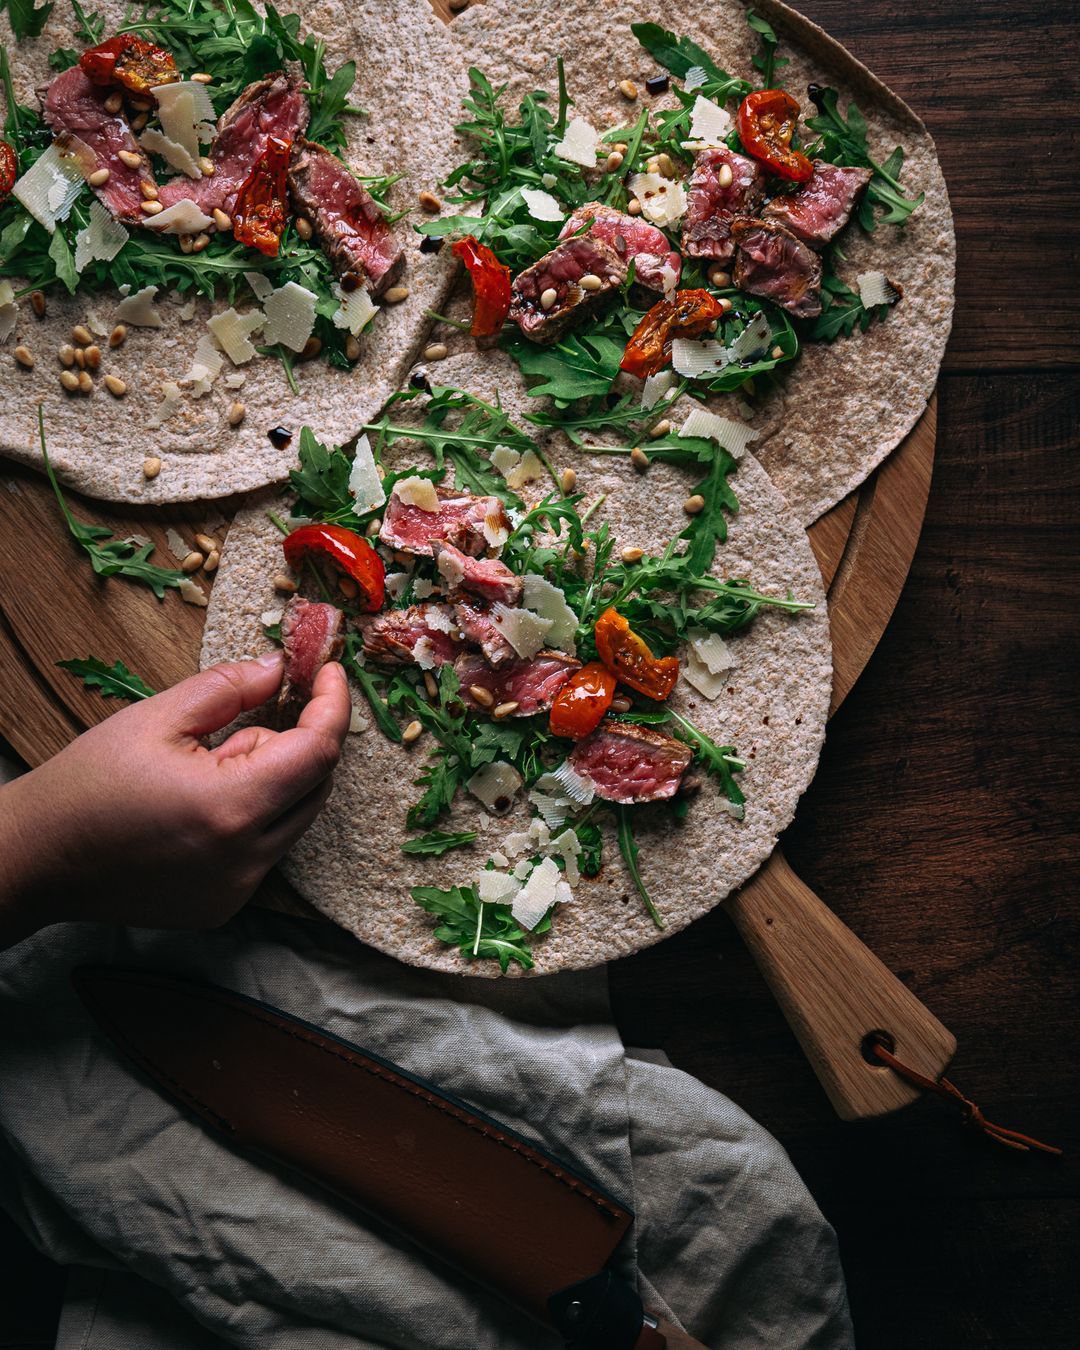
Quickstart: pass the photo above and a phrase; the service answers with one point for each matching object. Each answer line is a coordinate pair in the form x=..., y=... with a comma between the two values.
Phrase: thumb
x=210, y=700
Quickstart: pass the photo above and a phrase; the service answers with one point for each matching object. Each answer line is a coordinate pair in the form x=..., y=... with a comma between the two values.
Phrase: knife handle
x=835, y=994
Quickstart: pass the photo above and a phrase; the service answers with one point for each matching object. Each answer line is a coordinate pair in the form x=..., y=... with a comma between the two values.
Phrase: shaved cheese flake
x=422, y=588
x=178, y=546
x=183, y=217
x=541, y=597
x=655, y=387
x=669, y=279
x=496, y=785
x=269, y=617
x=186, y=114
x=261, y=286
x=139, y=309
x=439, y=619
x=514, y=845
x=358, y=723
x=578, y=143
x=530, y=468
x=733, y=436
x=698, y=674
x=355, y=310
x=9, y=310
x=663, y=201
x=232, y=333
x=176, y=155
x=538, y=894
x=451, y=568
x=756, y=335
x=418, y=492
x=186, y=312
x=494, y=529
x=524, y=630
x=192, y=594
x=365, y=485
x=235, y=378
x=169, y=405
x=696, y=76
x=205, y=366
x=290, y=316
x=694, y=359
x=875, y=288
x=504, y=459
x=548, y=179
x=542, y=205
x=425, y=655
x=709, y=123
x=711, y=650
x=50, y=187
x=568, y=846
x=523, y=868
x=496, y=888
x=396, y=583
x=566, y=778
x=103, y=238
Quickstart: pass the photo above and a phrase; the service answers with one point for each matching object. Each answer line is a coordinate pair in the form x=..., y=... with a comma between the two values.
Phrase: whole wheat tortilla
x=840, y=408
x=410, y=81
x=350, y=866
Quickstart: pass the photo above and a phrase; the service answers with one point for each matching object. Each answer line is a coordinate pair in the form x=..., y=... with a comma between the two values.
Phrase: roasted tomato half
x=687, y=314
x=348, y=552
x=129, y=61
x=582, y=702
x=262, y=204
x=9, y=169
x=766, y=122
x=629, y=659
x=491, y=286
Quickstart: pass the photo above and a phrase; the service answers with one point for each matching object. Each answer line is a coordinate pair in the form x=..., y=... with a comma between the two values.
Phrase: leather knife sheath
x=390, y=1142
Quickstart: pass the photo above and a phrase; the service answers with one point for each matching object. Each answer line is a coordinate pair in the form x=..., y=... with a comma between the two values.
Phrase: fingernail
x=269, y=659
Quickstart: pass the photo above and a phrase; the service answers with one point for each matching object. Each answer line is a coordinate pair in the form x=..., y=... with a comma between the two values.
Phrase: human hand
x=137, y=822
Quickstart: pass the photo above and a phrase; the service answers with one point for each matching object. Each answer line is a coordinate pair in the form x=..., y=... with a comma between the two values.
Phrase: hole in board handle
x=872, y=1038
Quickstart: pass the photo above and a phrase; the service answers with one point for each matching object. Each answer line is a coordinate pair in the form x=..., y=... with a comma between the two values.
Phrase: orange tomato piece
x=630, y=659
x=583, y=700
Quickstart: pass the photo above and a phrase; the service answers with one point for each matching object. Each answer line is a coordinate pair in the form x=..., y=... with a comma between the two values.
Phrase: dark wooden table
x=942, y=823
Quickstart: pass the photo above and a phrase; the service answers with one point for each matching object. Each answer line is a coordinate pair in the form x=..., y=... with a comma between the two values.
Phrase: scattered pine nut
x=666, y=165
x=116, y=386
x=590, y=282
x=429, y=202
x=82, y=335
x=312, y=347
x=70, y=381
x=304, y=227
x=284, y=583
x=725, y=304
x=206, y=542
x=149, y=191
x=628, y=89
x=198, y=243
x=548, y=297
x=213, y=558
x=130, y=158
x=374, y=526
x=92, y=356
x=151, y=467
x=430, y=685
x=661, y=429
x=622, y=147
x=152, y=208
x=505, y=709
x=80, y=358
x=568, y=481
x=202, y=78
x=224, y=222
x=352, y=348
x=186, y=241
x=396, y=294
x=412, y=732
x=693, y=506
x=206, y=166
x=639, y=459
x=620, y=704
x=718, y=277
x=435, y=352
x=614, y=161
x=236, y=414
x=98, y=178
x=457, y=5
x=724, y=175
x=633, y=207
x=652, y=165
x=24, y=357
x=348, y=588
x=139, y=123
x=483, y=696
x=777, y=353
x=192, y=562
x=67, y=354
x=86, y=384
x=140, y=105
x=37, y=303
x=632, y=555
x=117, y=336
x=113, y=103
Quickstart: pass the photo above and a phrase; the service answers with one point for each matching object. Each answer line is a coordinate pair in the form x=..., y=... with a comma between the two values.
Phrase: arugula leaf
x=26, y=21
x=709, y=526
x=628, y=847
x=578, y=366
x=843, y=311
x=677, y=54
x=363, y=677
x=767, y=63
x=60, y=253
x=592, y=846
x=322, y=480
x=437, y=842
x=332, y=102
x=718, y=760
x=114, y=681
x=63, y=58
x=90, y=26
x=477, y=929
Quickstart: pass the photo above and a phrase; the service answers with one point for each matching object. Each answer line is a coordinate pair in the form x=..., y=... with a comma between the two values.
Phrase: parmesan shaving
x=553, y=809
x=663, y=201
x=192, y=594
x=355, y=310
x=9, y=310
x=542, y=205
x=396, y=583
x=696, y=76
x=543, y=598
x=269, y=617
x=139, y=309
x=698, y=674
x=669, y=279
x=568, y=846
x=709, y=123
x=176, y=155
x=422, y=588
x=439, y=619
x=496, y=785
x=494, y=530
x=261, y=286
x=365, y=485
x=186, y=115
x=579, y=143
x=425, y=655
x=205, y=366
x=358, y=723
x=183, y=217
x=418, y=492
x=50, y=187
x=524, y=630
x=504, y=459
x=655, y=387
x=232, y=333
x=756, y=335
x=290, y=316
x=530, y=468
x=695, y=359
x=711, y=650
x=496, y=888
x=538, y=894
x=103, y=238
x=567, y=780
x=734, y=437
x=169, y=405
x=875, y=288
x=451, y=568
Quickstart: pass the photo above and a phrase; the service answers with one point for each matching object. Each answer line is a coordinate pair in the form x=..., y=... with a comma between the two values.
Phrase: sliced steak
x=711, y=204
x=312, y=634
x=773, y=263
x=630, y=237
x=822, y=206
x=474, y=619
x=562, y=271
x=532, y=685
x=629, y=763
x=459, y=521
x=75, y=110
x=488, y=578
x=351, y=227
x=276, y=106
x=392, y=638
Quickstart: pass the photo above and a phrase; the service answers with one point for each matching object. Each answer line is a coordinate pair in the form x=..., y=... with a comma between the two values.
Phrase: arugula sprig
x=114, y=681
x=843, y=309
x=25, y=19
x=766, y=62
x=475, y=928
x=437, y=842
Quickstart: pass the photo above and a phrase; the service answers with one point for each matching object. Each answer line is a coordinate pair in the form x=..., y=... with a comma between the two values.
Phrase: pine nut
x=352, y=348
x=206, y=166
x=430, y=685
x=192, y=562
x=213, y=558
x=202, y=78
x=628, y=89
x=149, y=191
x=284, y=583
x=312, y=347
x=633, y=207
x=115, y=385
x=429, y=202
x=67, y=354
x=435, y=352
x=661, y=429
x=186, y=241
x=153, y=208
x=666, y=165
x=724, y=175
x=568, y=481
x=693, y=506
x=139, y=123
x=348, y=588
x=719, y=277
x=37, y=303
x=620, y=704
x=113, y=103
x=198, y=243
x=86, y=384
x=236, y=414
x=622, y=147
x=206, y=542
x=82, y=335
x=632, y=555
x=24, y=357
x=505, y=709
x=70, y=381
x=130, y=158
x=80, y=358
x=374, y=526
x=140, y=105
x=98, y=178
x=304, y=227
x=614, y=161
x=412, y=732
x=92, y=356
x=151, y=467
x=652, y=165
x=483, y=696
x=224, y=222
x=777, y=353
x=117, y=336
x=639, y=459
x=590, y=282
x=396, y=294
x=725, y=304
x=548, y=297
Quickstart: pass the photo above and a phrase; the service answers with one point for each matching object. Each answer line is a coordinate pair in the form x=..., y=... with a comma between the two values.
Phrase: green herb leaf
x=628, y=847
x=476, y=929
x=26, y=21
x=334, y=96
x=114, y=681
x=322, y=480
x=677, y=54
x=437, y=842
x=384, y=719
x=590, y=859
x=767, y=63
x=578, y=366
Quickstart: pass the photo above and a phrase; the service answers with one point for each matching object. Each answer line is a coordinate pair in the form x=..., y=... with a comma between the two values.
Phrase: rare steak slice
x=773, y=263
x=629, y=763
x=564, y=287
x=311, y=634
x=459, y=520
x=474, y=619
x=487, y=578
x=722, y=186
x=656, y=264
x=351, y=227
x=424, y=635
x=821, y=208
x=274, y=107
x=75, y=109
x=531, y=684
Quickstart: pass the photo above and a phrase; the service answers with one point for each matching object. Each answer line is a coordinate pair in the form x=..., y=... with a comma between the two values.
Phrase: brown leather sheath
x=455, y=1181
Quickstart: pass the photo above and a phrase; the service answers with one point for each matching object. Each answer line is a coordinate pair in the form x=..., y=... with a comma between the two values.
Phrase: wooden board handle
x=835, y=992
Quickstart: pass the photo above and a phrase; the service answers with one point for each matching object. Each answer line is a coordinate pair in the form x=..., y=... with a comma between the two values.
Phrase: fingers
x=329, y=709
x=288, y=828
x=243, y=742
x=210, y=700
